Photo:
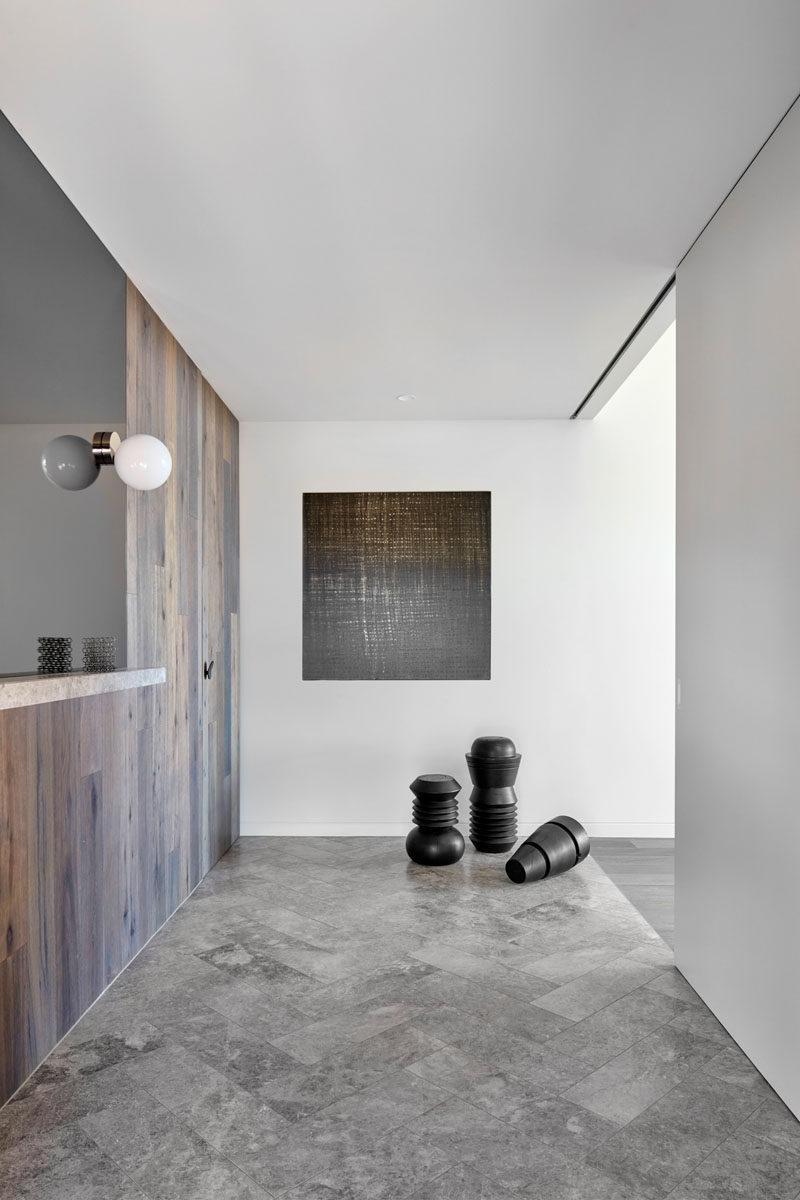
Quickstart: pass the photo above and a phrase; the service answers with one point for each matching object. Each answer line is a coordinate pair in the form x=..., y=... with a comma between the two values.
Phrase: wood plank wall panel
x=183, y=600
x=67, y=808
x=113, y=807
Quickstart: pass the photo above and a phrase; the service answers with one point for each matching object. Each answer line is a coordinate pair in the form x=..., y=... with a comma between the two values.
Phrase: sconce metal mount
x=104, y=447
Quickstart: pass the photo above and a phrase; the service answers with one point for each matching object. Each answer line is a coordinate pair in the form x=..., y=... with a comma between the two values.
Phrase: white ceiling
x=334, y=202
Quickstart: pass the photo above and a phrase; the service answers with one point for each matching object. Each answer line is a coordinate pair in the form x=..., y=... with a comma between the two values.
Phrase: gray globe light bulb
x=68, y=461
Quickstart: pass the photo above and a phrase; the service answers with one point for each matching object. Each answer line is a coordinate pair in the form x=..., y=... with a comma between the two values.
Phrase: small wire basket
x=99, y=653
x=55, y=655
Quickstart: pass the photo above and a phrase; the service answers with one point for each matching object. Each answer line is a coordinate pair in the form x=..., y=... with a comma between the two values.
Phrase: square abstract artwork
x=397, y=585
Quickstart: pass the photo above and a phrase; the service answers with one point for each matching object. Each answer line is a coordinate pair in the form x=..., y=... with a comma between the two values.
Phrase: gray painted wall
x=62, y=301
x=738, y=613
x=62, y=361
x=62, y=554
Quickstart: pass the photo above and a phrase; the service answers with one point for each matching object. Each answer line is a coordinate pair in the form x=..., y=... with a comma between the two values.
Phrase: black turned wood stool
x=551, y=849
x=435, y=842
x=493, y=765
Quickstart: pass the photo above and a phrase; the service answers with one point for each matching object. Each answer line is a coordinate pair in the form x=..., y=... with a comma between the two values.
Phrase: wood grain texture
x=183, y=598
x=113, y=807
x=67, y=903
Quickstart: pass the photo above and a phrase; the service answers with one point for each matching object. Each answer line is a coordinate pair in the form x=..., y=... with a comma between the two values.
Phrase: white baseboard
x=323, y=829
x=631, y=829
x=598, y=829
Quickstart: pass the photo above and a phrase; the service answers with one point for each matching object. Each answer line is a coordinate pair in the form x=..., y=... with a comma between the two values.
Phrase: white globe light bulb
x=143, y=462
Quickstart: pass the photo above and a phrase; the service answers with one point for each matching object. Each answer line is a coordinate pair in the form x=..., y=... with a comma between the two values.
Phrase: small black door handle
x=207, y=669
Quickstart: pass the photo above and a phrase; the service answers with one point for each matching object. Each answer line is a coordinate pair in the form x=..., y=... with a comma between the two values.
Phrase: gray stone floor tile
x=672, y=983
x=80, y=1056
x=247, y=1006
x=339, y=915
x=743, y=1166
x=700, y=1021
x=459, y=1128
x=395, y=1100
x=145, y=999
x=631, y=1082
x=462, y=1183
x=401, y=975
x=315, y=1041
x=567, y=1127
x=43, y=1105
x=390, y=1168
x=657, y=954
x=164, y=1158
x=570, y=964
x=725, y=1104
x=62, y=1163
x=319, y=1189
x=446, y=1023
x=324, y=1019
x=159, y=969
x=550, y=1070
x=615, y=1028
x=469, y=1136
x=443, y=987
x=101, y=1180
x=570, y=922
x=253, y=961
x=675, y=1134
x=503, y=1095
x=735, y=1067
x=296, y=1091
x=503, y=1042
x=456, y=917
x=371, y=1059
x=580, y=1181
x=286, y=921
x=494, y=974
x=490, y=948
x=515, y=1160
x=773, y=1121
x=514, y=1017
x=234, y=1052
x=227, y=1117
x=324, y=965
x=281, y=1161
x=596, y=989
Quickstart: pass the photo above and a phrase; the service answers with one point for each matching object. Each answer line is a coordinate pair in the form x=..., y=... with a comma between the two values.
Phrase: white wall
x=631, y=608
x=62, y=554
x=738, y=606
x=580, y=679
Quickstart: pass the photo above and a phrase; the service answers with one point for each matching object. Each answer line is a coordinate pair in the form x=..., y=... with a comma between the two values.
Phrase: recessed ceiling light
x=405, y=399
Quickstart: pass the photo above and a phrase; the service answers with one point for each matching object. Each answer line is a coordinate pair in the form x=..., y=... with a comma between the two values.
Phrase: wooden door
x=183, y=600
x=220, y=595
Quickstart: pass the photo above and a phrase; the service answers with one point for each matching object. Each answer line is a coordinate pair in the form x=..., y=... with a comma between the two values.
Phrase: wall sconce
x=141, y=461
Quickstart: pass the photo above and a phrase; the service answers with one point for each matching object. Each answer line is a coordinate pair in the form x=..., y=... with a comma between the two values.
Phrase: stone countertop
x=19, y=691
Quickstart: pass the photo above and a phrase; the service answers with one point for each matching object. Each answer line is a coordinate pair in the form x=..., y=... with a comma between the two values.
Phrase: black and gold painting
x=397, y=585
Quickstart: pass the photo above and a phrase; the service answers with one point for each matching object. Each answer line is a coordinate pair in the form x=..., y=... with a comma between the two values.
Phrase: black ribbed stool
x=493, y=765
x=555, y=847
x=435, y=842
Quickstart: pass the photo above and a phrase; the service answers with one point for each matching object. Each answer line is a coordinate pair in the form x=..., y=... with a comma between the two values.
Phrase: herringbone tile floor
x=324, y=1019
